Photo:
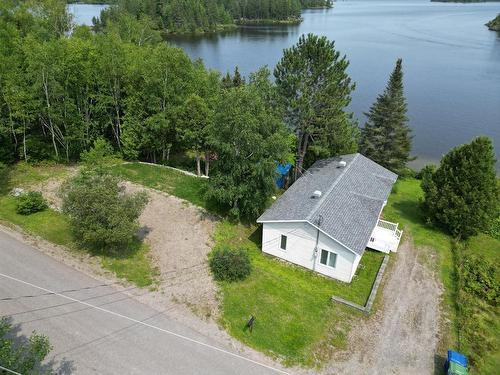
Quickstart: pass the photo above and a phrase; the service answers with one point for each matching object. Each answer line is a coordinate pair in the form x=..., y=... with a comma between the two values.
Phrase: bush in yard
x=101, y=215
x=494, y=229
x=481, y=278
x=462, y=194
x=31, y=202
x=230, y=265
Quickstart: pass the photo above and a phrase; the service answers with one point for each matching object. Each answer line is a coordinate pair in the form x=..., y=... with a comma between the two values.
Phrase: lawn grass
x=49, y=224
x=168, y=180
x=134, y=265
x=295, y=319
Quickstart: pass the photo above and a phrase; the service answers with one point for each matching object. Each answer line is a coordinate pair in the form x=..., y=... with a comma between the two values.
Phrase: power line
x=227, y=352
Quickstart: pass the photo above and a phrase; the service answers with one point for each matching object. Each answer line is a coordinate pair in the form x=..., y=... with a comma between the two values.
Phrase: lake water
x=83, y=13
x=451, y=62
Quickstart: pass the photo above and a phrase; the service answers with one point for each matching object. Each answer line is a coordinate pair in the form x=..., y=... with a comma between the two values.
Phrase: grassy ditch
x=133, y=265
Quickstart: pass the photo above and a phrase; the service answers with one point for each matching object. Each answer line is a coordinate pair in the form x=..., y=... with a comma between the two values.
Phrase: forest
x=60, y=93
x=193, y=16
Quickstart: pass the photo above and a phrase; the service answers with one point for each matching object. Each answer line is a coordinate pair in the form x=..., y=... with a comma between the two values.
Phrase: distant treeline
x=494, y=24
x=180, y=16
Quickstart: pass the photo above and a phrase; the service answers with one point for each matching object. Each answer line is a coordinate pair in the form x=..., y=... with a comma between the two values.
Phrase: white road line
x=146, y=324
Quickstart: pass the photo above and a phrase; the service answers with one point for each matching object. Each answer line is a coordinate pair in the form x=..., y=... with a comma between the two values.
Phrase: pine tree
x=238, y=80
x=462, y=194
x=386, y=137
x=315, y=88
x=226, y=81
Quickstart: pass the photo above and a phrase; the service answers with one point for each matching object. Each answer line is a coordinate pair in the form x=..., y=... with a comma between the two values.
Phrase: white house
x=330, y=215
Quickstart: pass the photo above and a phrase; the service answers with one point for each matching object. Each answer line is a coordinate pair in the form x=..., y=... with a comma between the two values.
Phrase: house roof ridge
x=367, y=196
x=328, y=192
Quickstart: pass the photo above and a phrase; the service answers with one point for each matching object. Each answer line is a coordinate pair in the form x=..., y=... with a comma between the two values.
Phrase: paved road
x=109, y=333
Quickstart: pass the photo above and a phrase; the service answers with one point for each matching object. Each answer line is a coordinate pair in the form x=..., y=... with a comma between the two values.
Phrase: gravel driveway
x=402, y=337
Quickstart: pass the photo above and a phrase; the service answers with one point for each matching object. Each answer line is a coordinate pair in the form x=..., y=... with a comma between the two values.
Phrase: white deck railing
x=393, y=227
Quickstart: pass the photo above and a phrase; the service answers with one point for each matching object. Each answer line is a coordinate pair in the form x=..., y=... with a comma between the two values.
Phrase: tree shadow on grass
x=410, y=210
x=4, y=180
x=256, y=236
x=18, y=339
x=124, y=251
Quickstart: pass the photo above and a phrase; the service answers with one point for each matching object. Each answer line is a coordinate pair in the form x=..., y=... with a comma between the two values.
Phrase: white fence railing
x=385, y=237
x=393, y=227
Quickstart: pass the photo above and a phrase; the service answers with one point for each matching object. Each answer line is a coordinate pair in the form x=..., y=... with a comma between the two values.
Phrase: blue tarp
x=457, y=358
x=282, y=170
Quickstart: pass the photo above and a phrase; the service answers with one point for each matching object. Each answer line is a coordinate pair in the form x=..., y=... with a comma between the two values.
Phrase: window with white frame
x=328, y=258
x=283, y=242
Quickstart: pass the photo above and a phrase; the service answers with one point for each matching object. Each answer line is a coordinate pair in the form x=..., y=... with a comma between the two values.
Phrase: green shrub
x=31, y=202
x=494, y=229
x=481, y=278
x=230, y=265
x=101, y=216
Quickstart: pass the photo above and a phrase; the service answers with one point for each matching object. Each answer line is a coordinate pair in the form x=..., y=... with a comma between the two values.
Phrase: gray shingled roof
x=351, y=201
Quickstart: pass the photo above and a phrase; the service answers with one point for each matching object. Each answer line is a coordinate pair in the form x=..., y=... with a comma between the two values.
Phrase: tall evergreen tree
x=226, y=81
x=386, y=137
x=313, y=82
x=238, y=80
x=462, y=194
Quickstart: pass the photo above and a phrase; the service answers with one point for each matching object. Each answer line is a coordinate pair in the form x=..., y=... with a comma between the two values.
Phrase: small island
x=494, y=25
x=195, y=17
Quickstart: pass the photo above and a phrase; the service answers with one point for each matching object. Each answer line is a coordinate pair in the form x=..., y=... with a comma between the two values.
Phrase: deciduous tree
x=25, y=357
x=248, y=140
x=193, y=119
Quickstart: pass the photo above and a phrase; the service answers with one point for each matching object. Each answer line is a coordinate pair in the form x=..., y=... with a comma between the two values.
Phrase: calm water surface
x=451, y=61
x=83, y=13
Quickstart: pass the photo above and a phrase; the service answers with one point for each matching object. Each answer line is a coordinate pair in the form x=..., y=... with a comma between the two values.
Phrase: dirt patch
x=180, y=236
x=51, y=187
x=402, y=337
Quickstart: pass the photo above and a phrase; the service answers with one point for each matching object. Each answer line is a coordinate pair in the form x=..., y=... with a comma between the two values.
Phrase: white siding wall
x=301, y=239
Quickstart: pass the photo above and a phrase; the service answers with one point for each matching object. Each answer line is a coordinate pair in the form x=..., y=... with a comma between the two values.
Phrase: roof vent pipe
x=342, y=164
x=317, y=194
